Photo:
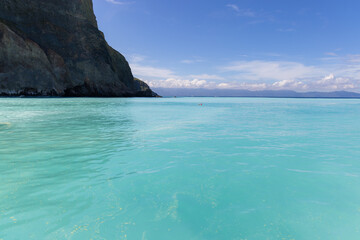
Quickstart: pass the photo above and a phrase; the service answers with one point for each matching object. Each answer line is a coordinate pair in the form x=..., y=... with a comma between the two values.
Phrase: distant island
x=54, y=48
x=201, y=92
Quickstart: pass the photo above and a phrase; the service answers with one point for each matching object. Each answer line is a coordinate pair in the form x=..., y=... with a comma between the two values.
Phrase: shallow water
x=169, y=169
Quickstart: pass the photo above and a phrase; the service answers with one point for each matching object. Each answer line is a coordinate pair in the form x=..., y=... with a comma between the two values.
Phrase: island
x=54, y=48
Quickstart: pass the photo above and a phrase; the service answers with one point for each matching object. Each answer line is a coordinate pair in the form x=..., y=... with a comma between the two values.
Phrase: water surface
x=169, y=169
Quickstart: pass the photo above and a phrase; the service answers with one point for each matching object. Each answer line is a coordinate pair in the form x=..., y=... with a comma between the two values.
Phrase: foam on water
x=153, y=169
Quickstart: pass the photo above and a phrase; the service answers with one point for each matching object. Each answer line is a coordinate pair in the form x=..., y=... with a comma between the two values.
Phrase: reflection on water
x=169, y=169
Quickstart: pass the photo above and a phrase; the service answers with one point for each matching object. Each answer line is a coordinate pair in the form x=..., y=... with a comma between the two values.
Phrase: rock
x=144, y=89
x=54, y=48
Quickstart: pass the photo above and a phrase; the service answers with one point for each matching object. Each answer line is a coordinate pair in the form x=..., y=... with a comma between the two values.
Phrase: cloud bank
x=259, y=75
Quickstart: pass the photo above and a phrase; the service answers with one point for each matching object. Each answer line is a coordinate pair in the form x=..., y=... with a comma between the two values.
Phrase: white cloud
x=233, y=7
x=333, y=83
x=224, y=85
x=151, y=72
x=336, y=84
x=136, y=58
x=188, y=61
x=290, y=84
x=326, y=79
x=180, y=83
x=256, y=75
x=332, y=54
x=243, y=86
x=118, y=2
x=241, y=12
x=207, y=77
x=353, y=58
x=271, y=70
x=327, y=83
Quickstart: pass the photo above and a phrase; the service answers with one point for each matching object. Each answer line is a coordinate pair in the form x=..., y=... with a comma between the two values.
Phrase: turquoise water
x=169, y=169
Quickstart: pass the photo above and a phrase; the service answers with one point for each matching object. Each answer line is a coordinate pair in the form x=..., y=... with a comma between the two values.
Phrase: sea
x=179, y=169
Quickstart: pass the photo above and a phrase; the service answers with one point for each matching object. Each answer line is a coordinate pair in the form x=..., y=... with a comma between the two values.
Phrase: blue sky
x=244, y=44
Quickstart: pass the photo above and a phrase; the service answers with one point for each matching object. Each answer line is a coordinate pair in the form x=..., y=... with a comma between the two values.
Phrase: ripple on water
x=83, y=168
x=5, y=125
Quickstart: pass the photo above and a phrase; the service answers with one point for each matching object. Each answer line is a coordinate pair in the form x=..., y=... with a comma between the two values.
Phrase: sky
x=240, y=44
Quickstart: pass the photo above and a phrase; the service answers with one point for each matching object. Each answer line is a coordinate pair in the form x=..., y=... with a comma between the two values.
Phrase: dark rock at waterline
x=54, y=48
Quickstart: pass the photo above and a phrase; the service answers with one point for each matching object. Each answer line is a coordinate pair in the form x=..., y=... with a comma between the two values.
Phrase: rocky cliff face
x=54, y=48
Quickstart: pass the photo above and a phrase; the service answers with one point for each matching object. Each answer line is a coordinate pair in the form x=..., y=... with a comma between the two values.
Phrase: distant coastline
x=201, y=92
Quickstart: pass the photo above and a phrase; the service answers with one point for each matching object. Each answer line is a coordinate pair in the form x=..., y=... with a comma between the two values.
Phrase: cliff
x=54, y=48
